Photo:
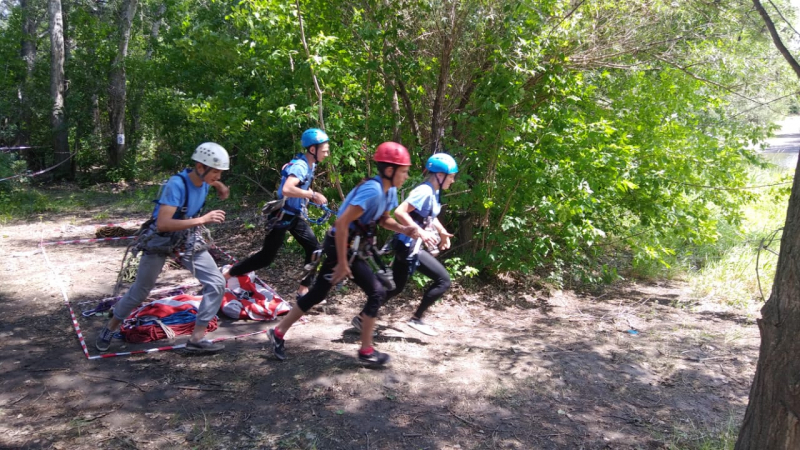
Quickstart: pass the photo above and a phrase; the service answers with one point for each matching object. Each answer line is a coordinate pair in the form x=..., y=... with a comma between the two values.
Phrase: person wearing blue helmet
x=420, y=210
x=294, y=193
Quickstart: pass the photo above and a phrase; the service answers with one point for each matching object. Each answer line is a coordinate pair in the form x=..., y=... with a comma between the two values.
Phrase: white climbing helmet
x=213, y=155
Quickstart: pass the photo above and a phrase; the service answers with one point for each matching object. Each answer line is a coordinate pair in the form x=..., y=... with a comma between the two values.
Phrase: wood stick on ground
x=193, y=388
x=115, y=379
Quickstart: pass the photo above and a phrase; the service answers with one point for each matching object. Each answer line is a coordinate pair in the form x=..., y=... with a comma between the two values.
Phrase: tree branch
x=776, y=39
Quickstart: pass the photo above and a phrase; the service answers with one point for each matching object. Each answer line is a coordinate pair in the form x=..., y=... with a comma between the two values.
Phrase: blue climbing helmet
x=313, y=136
x=442, y=163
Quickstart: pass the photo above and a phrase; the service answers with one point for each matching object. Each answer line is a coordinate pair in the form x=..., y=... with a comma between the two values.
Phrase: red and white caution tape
x=66, y=302
x=170, y=347
x=87, y=241
x=39, y=172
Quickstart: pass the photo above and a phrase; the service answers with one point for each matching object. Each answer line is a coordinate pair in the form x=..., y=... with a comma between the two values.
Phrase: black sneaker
x=204, y=346
x=277, y=345
x=374, y=359
x=356, y=323
x=103, y=340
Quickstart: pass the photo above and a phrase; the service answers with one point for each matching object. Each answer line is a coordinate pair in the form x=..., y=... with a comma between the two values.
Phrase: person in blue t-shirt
x=174, y=218
x=296, y=178
x=364, y=207
x=421, y=209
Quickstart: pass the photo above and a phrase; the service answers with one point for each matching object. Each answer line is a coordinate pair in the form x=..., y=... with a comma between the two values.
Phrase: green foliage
x=727, y=271
x=585, y=134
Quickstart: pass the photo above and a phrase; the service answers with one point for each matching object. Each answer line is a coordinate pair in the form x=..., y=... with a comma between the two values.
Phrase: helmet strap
x=394, y=172
x=313, y=153
x=439, y=181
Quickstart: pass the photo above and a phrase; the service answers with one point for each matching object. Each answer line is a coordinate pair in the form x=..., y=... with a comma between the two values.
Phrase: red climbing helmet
x=392, y=153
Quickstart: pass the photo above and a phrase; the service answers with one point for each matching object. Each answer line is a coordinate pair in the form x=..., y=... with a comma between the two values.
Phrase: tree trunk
x=772, y=419
x=135, y=103
x=57, y=122
x=28, y=54
x=117, y=89
x=448, y=40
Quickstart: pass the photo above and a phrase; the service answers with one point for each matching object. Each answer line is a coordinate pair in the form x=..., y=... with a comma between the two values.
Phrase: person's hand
x=223, y=192
x=411, y=231
x=428, y=237
x=216, y=216
x=445, y=235
x=319, y=199
x=340, y=272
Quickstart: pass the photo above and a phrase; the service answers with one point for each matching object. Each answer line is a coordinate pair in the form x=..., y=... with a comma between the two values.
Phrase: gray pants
x=150, y=267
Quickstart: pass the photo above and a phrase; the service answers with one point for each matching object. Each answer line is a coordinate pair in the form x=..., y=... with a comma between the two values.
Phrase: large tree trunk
x=117, y=89
x=57, y=122
x=28, y=54
x=135, y=103
x=772, y=419
x=448, y=41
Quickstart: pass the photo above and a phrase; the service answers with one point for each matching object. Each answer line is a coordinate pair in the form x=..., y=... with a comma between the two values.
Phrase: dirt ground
x=514, y=367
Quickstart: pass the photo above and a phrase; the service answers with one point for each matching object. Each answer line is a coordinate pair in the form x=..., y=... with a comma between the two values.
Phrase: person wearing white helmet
x=173, y=229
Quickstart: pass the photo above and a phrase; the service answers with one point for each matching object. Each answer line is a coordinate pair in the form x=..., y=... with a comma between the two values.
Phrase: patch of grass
x=722, y=438
x=24, y=202
x=727, y=273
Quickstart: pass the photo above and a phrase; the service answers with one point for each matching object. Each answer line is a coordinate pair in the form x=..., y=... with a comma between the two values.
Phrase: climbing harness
x=177, y=244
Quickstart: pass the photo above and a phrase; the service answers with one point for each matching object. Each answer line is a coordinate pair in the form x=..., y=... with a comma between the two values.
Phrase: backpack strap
x=185, y=206
x=285, y=176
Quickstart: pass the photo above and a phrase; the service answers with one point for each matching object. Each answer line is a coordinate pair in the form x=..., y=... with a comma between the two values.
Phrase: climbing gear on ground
x=113, y=231
x=212, y=155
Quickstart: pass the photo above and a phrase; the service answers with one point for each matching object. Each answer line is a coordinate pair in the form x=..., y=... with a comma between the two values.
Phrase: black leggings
x=273, y=241
x=363, y=277
x=429, y=266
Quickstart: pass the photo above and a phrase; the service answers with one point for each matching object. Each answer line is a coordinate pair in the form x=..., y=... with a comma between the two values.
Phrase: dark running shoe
x=356, y=323
x=374, y=359
x=103, y=340
x=204, y=346
x=277, y=345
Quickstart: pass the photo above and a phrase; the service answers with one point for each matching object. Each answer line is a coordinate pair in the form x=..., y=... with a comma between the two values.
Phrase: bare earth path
x=513, y=367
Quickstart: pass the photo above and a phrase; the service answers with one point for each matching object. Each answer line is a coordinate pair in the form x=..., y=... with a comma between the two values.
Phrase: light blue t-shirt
x=425, y=202
x=174, y=193
x=369, y=195
x=299, y=168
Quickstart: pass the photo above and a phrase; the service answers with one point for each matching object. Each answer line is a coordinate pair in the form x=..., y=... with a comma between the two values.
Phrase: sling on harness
x=363, y=245
x=426, y=223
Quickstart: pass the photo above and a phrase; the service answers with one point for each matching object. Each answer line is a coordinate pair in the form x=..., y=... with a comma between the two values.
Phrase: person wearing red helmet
x=364, y=207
